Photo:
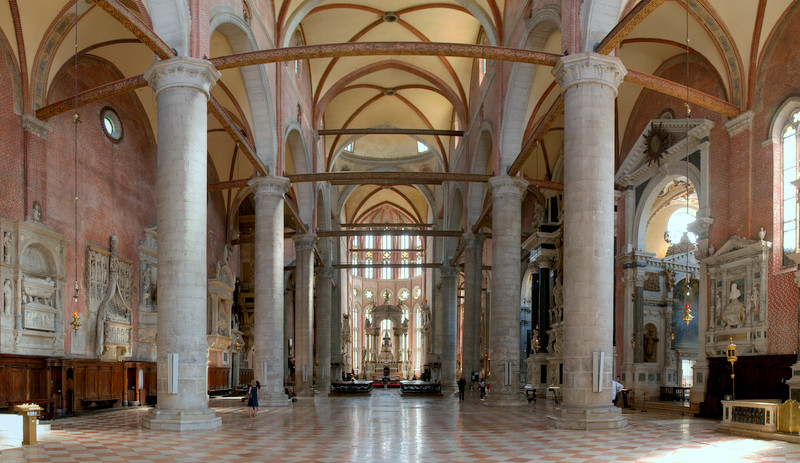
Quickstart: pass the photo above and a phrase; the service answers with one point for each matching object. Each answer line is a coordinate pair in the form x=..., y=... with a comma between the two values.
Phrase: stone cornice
x=740, y=123
x=182, y=72
x=503, y=186
x=633, y=171
x=269, y=186
x=586, y=68
x=32, y=124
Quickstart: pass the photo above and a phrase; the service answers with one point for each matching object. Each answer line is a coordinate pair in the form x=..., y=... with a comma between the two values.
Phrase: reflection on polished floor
x=388, y=427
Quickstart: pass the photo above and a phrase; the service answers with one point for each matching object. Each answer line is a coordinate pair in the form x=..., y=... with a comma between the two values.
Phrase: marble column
x=471, y=348
x=589, y=84
x=449, y=327
x=322, y=310
x=503, y=377
x=304, y=314
x=268, y=331
x=638, y=315
x=182, y=88
x=288, y=329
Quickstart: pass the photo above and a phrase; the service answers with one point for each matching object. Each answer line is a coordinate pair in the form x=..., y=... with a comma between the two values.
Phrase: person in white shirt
x=616, y=389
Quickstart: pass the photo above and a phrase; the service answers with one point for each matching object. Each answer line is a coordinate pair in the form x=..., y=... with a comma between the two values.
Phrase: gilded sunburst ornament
x=657, y=141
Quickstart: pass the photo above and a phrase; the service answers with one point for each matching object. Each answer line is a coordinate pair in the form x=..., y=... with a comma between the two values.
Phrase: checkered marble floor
x=388, y=427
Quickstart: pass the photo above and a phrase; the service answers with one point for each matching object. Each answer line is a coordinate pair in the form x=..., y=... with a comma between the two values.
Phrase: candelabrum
x=76, y=322
x=731, y=352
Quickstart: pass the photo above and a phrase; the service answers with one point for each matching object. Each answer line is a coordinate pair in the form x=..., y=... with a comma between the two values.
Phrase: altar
x=387, y=352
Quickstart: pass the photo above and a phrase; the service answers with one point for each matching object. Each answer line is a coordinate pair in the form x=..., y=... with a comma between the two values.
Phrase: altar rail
x=754, y=415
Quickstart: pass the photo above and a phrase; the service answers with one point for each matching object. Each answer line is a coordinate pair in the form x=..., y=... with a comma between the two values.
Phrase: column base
x=449, y=391
x=303, y=390
x=499, y=399
x=587, y=419
x=277, y=400
x=181, y=420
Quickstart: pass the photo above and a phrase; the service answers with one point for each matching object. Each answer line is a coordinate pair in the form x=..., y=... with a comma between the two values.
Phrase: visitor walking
x=252, y=398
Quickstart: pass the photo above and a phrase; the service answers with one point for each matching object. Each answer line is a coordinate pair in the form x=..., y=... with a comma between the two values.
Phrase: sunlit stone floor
x=387, y=427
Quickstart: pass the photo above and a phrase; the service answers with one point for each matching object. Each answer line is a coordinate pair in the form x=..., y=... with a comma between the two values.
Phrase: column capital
x=504, y=186
x=449, y=271
x=473, y=241
x=305, y=242
x=269, y=186
x=584, y=68
x=182, y=71
x=325, y=272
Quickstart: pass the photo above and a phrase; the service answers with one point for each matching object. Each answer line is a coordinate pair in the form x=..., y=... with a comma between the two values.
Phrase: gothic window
x=368, y=261
x=789, y=149
x=386, y=272
x=404, y=261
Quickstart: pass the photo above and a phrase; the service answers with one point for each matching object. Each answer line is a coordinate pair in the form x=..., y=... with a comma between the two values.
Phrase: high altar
x=387, y=343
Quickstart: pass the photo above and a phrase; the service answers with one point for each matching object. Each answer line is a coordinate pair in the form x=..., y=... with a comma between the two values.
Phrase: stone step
x=671, y=407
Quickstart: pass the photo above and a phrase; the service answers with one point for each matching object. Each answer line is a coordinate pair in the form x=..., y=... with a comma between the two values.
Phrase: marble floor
x=388, y=427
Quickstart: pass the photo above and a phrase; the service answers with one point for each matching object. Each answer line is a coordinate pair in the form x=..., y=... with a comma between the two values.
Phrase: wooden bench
x=96, y=404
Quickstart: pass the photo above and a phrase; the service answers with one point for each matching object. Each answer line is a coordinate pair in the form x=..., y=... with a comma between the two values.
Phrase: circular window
x=369, y=294
x=112, y=127
x=403, y=294
x=417, y=292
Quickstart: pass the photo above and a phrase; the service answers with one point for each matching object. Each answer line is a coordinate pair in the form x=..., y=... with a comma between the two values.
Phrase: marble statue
x=735, y=293
x=7, y=297
x=7, y=247
x=734, y=314
x=650, y=345
x=37, y=211
x=755, y=298
x=146, y=286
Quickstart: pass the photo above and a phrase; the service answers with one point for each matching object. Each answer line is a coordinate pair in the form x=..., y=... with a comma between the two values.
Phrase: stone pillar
x=638, y=315
x=697, y=394
x=304, y=314
x=471, y=344
x=589, y=84
x=503, y=377
x=268, y=331
x=182, y=88
x=288, y=330
x=449, y=327
x=323, y=312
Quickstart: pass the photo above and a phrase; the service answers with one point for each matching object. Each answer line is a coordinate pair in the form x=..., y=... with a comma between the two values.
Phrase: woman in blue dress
x=252, y=398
